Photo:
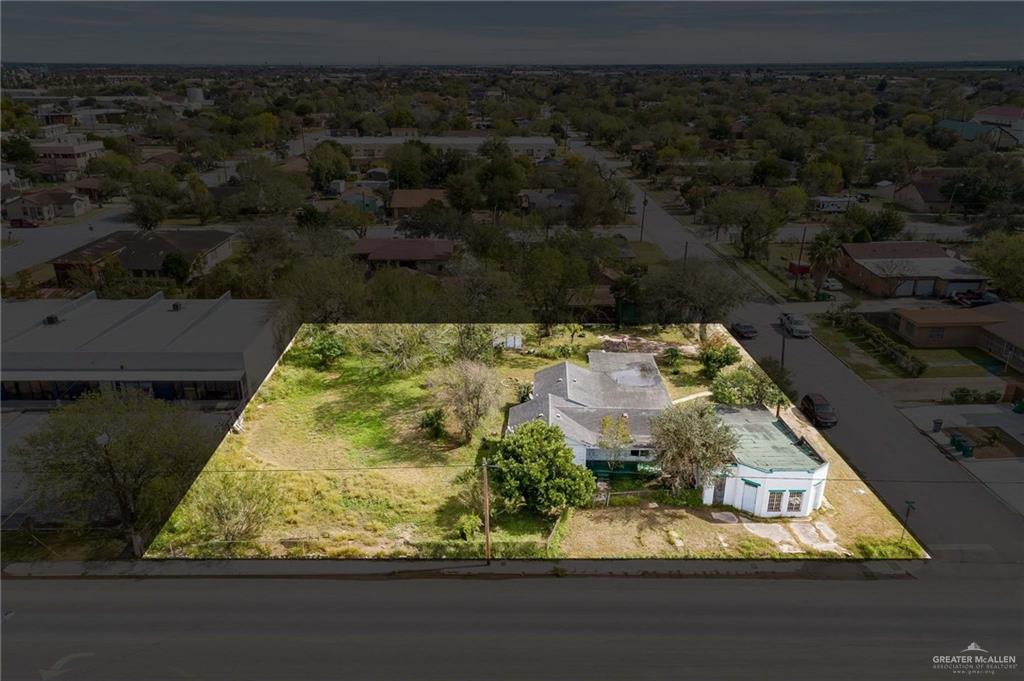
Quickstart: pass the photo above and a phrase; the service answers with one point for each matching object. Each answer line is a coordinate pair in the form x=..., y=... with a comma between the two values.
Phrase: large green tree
x=535, y=465
x=692, y=443
x=123, y=453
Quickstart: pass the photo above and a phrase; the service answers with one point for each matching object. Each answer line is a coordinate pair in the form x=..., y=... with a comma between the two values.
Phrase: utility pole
x=782, y=360
x=487, y=513
x=686, y=252
x=799, y=259
x=643, y=216
x=906, y=518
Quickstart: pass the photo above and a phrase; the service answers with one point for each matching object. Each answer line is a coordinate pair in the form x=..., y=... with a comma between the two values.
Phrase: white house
x=775, y=473
x=834, y=204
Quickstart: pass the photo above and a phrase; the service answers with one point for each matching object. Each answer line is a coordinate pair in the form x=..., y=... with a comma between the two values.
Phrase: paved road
x=956, y=516
x=547, y=628
x=42, y=244
x=659, y=226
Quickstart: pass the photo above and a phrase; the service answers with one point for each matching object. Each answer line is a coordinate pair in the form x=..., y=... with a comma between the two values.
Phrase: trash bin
x=955, y=439
x=1018, y=408
x=968, y=449
x=937, y=426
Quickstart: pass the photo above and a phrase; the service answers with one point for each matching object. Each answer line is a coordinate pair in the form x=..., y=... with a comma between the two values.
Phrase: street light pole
x=799, y=259
x=643, y=216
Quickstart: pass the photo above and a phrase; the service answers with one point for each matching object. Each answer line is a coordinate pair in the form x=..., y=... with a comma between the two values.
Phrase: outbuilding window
x=774, y=502
x=796, y=502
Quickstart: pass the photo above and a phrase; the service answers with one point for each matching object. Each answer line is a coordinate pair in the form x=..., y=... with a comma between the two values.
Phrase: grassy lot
x=844, y=346
x=354, y=474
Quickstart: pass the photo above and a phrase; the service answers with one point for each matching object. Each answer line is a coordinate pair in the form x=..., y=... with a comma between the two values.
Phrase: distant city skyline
x=486, y=34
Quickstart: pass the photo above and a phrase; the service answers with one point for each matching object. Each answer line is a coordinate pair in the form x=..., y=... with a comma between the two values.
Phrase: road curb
x=507, y=569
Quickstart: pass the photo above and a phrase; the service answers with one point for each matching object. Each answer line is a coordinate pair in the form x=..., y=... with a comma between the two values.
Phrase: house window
x=937, y=332
x=796, y=502
x=638, y=452
x=775, y=502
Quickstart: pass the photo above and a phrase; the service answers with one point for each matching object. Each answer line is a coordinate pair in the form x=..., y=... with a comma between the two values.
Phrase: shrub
x=686, y=498
x=324, y=348
x=883, y=549
x=234, y=506
x=432, y=421
x=469, y=526
x=523, y=390
x=716, y=355
x=672, y=356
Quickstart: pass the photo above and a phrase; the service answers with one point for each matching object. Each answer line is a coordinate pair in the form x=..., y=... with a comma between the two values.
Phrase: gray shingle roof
x=577, y=399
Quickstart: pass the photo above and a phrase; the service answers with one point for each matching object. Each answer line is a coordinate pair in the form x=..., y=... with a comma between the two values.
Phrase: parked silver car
x=795, y=325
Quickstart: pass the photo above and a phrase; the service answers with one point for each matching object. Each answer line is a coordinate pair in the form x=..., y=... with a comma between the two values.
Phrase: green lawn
x=355, y=475
x=845, y=347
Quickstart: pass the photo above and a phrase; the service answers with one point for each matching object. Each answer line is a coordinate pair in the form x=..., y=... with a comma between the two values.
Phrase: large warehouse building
x=215, y=352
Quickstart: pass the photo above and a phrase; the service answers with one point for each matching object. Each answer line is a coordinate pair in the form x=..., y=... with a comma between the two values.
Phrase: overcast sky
x=509, y=33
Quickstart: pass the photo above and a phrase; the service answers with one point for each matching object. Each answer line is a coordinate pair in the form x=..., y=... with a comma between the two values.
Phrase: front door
x=749, y=497
x=719, y=497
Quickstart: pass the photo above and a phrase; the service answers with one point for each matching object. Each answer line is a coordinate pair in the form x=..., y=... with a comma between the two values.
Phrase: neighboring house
x=162, y=161
x=424, y=255
x=47, y=205
x=56, y=170
x=548, y=199
x=374, y=178
x=72, y=151
x=407, y=201
x=142, y=254
x=893, y=269
x=970, y=131
x=89, y=187
x=833, y=204
x=10, y=181
x=997, y=329
x=774, y=473
x=1010, y=118
x=923, y=193
x=53, y=132
x=363, y=198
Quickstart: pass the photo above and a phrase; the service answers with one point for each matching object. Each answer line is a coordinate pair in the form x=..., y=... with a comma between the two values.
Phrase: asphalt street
x=43, y=243
x=546, y=628
x=955, y=515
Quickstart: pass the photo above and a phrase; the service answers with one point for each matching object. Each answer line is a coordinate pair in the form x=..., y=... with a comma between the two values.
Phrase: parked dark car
x=818, y=410
x=23, y=222
x=975, y=298
x=743, y=330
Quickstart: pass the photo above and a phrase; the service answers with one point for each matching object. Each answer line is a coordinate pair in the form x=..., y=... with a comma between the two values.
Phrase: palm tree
x=824, y=254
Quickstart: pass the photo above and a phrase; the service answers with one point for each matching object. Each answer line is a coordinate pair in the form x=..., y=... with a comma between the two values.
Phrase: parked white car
x=795, y=325
x=831, y=284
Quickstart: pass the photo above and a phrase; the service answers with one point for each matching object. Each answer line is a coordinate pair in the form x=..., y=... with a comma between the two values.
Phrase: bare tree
x=470, y=390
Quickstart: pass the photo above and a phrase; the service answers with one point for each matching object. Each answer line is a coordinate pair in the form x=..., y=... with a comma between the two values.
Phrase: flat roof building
x=211, y=351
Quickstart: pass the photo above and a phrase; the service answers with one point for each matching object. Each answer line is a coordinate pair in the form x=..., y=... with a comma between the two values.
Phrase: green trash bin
x=955, y=439
x=1018, y=408
x=967, y=447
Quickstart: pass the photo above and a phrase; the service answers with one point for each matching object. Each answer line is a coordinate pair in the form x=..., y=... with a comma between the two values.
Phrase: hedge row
x=878, y=341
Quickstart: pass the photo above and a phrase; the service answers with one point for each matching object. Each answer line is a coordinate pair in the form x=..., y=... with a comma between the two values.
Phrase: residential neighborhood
x=548, y=340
